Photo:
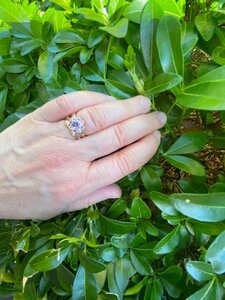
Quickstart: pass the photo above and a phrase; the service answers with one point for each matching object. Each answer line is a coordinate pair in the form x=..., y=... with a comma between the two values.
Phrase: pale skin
x=45, y=171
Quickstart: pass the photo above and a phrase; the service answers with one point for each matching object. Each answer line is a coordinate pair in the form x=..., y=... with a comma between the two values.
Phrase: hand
x=45, y=171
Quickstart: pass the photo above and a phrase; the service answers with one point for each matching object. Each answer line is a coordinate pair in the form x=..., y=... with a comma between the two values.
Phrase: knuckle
x=94, y=118
x=125, y=163
x=120, y=136
x=62, y=102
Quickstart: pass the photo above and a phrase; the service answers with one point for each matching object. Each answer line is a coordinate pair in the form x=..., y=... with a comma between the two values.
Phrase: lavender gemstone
x=76, y=124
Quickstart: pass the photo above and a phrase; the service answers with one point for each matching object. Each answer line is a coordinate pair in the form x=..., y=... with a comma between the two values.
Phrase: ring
x=75, y=125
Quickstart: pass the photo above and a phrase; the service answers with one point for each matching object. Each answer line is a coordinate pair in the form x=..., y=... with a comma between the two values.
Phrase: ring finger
x=119, y=135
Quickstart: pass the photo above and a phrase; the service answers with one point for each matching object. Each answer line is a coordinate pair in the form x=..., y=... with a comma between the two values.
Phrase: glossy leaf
x=150, y=17
x=14, y=15
x=206, y=25
x=168, y=40
x=123, y=273
x=218, y=55
x=208, y=292
x=216, y=254
x=163, y=202
x=172, y=274
x=119, y=30
x=134, y=9
x=151, y=179
x=3, y=96
x=172, y=8
x=47, y=67
x=206, y=92
x=199, y=270
x=50, y=259
x=163, y=82
x=202, y=207
x=140, y=263
x=84, y=285
x=90, y=264
x=169, y=242
x=90, y=14
x=116, y=227
x=140, y=209
x=189, y=142
x=186, y=164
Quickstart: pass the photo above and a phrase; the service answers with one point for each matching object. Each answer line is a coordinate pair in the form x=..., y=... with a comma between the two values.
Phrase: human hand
x=45, y=171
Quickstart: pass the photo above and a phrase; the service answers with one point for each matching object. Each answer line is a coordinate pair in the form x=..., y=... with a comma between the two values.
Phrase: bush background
x=165, y=237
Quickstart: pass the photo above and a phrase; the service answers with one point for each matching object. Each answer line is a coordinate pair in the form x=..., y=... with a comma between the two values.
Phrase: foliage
x=164, y=238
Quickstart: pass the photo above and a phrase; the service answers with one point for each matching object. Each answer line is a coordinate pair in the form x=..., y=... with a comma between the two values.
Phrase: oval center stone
x=77, y=125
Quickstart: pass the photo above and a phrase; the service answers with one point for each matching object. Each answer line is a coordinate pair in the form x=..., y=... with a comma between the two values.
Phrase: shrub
x=165, y=237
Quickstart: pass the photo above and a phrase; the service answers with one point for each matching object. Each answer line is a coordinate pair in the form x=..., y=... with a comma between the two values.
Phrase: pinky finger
x=112, y=168
x=107, y=192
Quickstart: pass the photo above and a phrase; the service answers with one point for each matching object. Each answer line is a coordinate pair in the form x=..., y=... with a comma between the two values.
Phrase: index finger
x=65, y=105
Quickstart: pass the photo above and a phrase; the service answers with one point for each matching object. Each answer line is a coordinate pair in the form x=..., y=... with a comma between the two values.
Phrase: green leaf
x=199, y=270
x=201, y=207
x=216, y=254
x=92, y=73
x=139, y=209
x=154, y=291
x=186, y=164
x=207, y=92
x=5, y=41
x=116, y=227
x=169, y=242
x=168, y=40
x=119, y=30
x=69, y=36
x=90, y=264
x=101, y=57
x=218, y=55
x=14, y=15
x=112, y=284
x=12, y=65
x=90, y=14
x=209, y=228
x=189, y=142
x=136, y=288
x=208, y=292
x=85, y=55
x=3, y=97
x=173, y=290
x=206, y=25
x=151, y=179
x=84, y=286
x=115, y=5
x=48, y=69
x=172, y=274
x=189, y=40
x=150, y=17
x=117, y=208
x=134, y=9
x=123, y=271
x=95, y=37
x=140, y=263
x=65, y=278
x=172, y=8
x=49, y=259
x=163, y=202
x=163, y=82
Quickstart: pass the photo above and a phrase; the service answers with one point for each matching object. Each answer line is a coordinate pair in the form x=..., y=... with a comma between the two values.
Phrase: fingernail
x=157, y=135
x=162, y=117
x=145, y=102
